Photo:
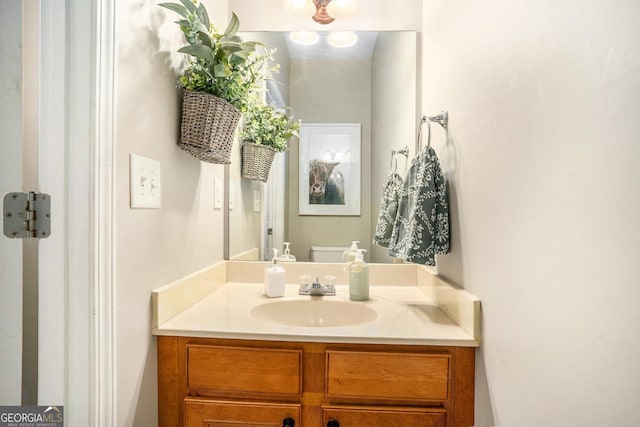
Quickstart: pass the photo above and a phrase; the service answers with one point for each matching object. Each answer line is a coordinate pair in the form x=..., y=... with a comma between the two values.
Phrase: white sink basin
x=315, y=313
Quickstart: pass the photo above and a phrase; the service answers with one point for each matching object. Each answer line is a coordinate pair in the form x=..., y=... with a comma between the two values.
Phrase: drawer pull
x=288, y=422
x=333, y=423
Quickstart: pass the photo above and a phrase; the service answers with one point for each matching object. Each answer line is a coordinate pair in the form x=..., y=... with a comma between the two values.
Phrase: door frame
x=77, y=263
x=104, y=220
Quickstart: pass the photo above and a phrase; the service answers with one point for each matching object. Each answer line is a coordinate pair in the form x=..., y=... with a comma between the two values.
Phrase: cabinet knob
x=288, y=422
x=333, y=423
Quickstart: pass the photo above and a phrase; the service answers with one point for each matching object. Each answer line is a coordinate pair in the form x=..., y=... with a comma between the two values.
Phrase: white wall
x=544, y=100
x=393, y=115
x=154, y=247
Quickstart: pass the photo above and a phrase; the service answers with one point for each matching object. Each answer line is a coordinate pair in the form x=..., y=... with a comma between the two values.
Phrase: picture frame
x=329, y=169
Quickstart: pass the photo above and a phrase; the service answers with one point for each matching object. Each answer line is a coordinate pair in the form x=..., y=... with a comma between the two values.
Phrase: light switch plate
x=218, y=194
x=144, y=179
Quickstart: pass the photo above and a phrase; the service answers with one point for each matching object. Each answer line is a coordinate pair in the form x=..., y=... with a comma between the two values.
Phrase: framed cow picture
x=329, y=169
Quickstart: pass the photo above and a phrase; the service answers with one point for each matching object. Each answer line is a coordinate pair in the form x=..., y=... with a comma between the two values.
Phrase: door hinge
x=27, y=215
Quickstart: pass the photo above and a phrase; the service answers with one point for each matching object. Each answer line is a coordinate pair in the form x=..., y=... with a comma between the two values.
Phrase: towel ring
x=442, y=119
x=394, y=162
x=423, y=120
x=394, y=158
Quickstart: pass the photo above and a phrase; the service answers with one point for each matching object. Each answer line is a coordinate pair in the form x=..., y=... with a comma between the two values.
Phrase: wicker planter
x=256, y=161
x=208, y=127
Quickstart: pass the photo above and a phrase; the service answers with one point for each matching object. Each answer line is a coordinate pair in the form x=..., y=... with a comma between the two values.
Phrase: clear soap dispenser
x=358, y=278
x=286, y=256
x=274, y=278
x=350, y=254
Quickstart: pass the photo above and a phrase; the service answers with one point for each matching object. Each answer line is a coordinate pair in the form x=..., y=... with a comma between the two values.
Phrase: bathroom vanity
x=226, y=360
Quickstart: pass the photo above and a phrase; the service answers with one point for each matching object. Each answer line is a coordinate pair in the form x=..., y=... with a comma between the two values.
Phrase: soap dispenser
x=286, y=256
x=350, y=254
x=358, y=278
x=274, y=277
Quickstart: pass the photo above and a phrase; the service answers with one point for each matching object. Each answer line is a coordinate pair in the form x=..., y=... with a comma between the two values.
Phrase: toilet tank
x=327, y=253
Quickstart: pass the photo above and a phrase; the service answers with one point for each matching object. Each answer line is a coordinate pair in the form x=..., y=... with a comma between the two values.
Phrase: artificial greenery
x=265, y=125
x=222, y=64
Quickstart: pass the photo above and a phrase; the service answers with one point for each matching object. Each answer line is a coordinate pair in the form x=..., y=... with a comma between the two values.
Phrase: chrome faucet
x=316, y=289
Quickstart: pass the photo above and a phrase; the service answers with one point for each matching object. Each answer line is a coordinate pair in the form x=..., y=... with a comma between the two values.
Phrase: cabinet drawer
x=212, y=370
x=212, y=413
x=364, y=416
x=404, y=376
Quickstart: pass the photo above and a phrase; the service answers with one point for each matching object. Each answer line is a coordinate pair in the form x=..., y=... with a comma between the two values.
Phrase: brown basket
x=256, y=161
x=208, y=127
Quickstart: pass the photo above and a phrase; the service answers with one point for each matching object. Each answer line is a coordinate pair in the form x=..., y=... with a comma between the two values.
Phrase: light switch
x=218, y=195
x=144, y=179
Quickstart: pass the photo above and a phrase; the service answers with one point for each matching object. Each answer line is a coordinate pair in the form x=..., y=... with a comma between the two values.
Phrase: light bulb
x=299, y=7
x=306, y=38
x=342, y=8
x=342, y=38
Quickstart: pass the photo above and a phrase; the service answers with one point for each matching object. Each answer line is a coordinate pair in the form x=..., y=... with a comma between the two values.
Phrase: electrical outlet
x=218, y=195
x=144, y=179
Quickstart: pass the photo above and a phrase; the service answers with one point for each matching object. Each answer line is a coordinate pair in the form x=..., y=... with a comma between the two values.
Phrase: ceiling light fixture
x=322, y=11
x=342, y=39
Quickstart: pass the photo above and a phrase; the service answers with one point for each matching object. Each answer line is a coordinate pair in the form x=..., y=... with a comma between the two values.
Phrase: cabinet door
x=372, y=416
x=215, y=413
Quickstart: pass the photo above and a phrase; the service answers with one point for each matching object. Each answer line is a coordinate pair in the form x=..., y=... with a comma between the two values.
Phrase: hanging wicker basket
x=208, y=127
x=256, y=161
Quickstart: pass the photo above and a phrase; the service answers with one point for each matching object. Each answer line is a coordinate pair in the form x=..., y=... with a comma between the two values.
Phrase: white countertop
x=405, y=316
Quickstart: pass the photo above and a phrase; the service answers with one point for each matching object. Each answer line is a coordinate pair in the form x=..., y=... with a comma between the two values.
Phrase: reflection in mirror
x=372, y=83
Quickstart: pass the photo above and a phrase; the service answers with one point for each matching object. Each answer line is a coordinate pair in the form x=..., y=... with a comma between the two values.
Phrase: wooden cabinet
x=208, y=382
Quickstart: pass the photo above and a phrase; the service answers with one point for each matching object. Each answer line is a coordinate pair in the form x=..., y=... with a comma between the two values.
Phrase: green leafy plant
x=221, y=64
x=265, y=125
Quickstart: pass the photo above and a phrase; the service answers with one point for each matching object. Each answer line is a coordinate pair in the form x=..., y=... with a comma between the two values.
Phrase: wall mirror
x=372, y=83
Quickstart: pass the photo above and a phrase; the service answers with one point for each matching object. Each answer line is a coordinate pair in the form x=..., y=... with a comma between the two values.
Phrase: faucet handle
x=303, y=280
x=329, y=284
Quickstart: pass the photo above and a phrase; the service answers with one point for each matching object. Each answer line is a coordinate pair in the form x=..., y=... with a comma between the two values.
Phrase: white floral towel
x=421, y=228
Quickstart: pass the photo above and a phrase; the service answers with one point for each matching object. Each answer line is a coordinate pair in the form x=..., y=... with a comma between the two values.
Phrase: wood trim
x=169, y=396
x=462, y=406
x=54, y=252
x=105, y=412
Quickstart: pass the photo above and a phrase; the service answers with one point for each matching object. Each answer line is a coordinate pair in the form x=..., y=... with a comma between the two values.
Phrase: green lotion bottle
x=359, y=278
